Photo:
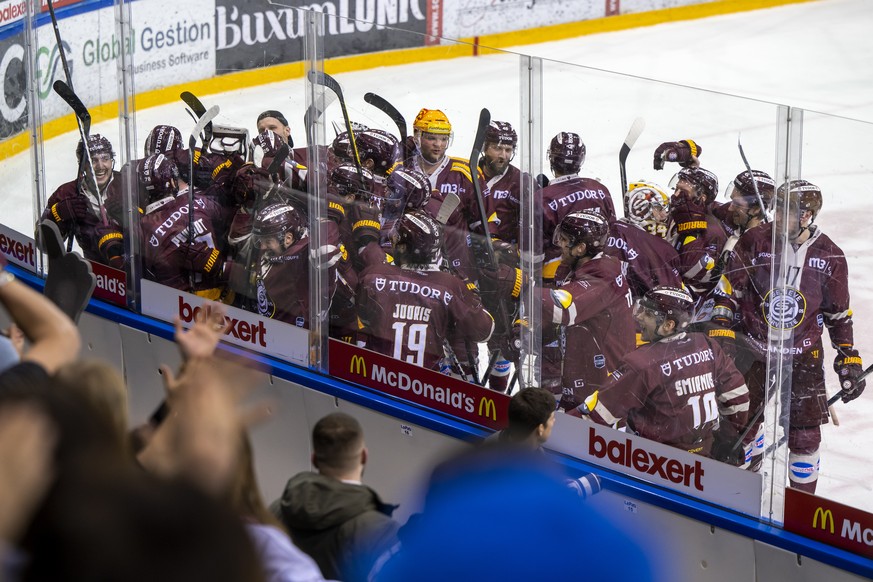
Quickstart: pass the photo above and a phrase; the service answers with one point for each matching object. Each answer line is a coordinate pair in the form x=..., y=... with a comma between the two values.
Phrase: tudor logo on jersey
x=666, y=368
x=786, y=310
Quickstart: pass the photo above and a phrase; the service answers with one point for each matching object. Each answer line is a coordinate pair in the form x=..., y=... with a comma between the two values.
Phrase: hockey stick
x=83, y=119
x=395, y=115
x=633, y=135
x=332, y=84
x=199, y=110
x=754, y=182
x=204, y=120
x=833, y=399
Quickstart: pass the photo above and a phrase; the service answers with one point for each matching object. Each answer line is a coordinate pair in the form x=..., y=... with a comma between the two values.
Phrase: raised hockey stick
x=754, y=182
x=83, y=118
x=204, y=120
x=633, y=135
x=385, y=107
x=332, y=84
x=199, y=110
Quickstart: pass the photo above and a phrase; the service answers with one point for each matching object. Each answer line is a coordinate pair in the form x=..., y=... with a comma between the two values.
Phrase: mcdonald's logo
x=487, y=408
x=358, y=366
x=826, y=516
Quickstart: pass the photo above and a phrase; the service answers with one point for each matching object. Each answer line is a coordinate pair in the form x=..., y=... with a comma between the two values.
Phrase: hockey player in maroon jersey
x=638, y=240
x=272, y=124
x=168, y=256
x=503, y=181
x=813, y=294
x=407, y=309
x=78, y=207
x=679, y=388
x=433, y=136
x=591, y=303
x=567, y=193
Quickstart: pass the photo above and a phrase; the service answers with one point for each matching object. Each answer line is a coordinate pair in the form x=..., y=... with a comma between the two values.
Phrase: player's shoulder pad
x=462, y=168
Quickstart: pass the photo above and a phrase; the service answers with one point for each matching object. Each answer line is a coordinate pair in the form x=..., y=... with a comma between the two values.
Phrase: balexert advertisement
x=245, y=329
x=658, y=463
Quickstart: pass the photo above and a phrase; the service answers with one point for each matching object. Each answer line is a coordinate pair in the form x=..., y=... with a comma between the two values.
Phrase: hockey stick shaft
x=199, y=110
x=63, y=55
x=633, y=135
x=204, y=120
x=754, y=182
x=833, y=399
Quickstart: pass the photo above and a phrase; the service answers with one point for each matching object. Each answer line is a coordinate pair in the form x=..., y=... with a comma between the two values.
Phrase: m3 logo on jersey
x=358, y=366
x=380, y=283
x=784, y=309
x=666, y=368
x=826, y=516
x=487, y=408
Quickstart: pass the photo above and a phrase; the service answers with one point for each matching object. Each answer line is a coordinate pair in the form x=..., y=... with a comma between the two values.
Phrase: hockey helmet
x=585, y=226
x=744, y=186
x=432, y=121
x=501, y=133
x=97, y=144
x=158, y=176
x=805, y=195
x=277, y=219
x=704, y=182
x=421, y=238
x=344, y=180
x=408, y=190
x=664, y=302
x=163, y=139
x=379, y=146
x=566, y=153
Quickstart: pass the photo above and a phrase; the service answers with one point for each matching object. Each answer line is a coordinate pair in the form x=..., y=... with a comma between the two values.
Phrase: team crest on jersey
x=784, y=309
x=265, y=304
x=666, y=368
x=599, y=361
x=380, y=283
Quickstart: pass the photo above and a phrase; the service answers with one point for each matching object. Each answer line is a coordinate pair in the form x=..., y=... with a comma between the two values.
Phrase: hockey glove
x=689, y=214
x=110, y=244
x=201, y=258
x=248, y=183
x=848, y=367
x=505, y=253
x=514, y=344
x=364, y=219
x=684, y=152
x=74, y=209
x=269, y=141
x=505, y=280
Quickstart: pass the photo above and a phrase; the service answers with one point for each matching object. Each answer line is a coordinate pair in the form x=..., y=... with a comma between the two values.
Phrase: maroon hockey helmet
x=342, y=148
x=97, y=144
x=805, y=195
x=159, y=176
x=704, y=182
x=344, y=180
x=408, y=190
x=585, y=226
x=277, y=219
x=744, y=185
x=379, y=146
x=163, y=139
x=422, y=237
x=666, y=302
x=566, y=153
x=501, y=133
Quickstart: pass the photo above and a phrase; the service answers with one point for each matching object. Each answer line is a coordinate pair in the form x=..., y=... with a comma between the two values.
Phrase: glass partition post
x=530, y=243
x=781, y=338
x=319, y=301
x=34, y=115
x=127, y=147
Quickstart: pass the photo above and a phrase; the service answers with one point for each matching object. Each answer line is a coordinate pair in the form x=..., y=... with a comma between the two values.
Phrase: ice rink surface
x=814, y=55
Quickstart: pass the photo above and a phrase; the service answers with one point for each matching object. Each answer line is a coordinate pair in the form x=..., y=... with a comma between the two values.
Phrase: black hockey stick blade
x=66, y=93
x=329, y=82
x=478, y=141
x=764, y=216
x=833, y=399
x=385, y=107
x=633, y=135
x=199, y=110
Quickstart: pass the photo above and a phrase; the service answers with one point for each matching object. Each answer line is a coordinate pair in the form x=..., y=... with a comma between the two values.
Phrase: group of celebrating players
x=658, y=322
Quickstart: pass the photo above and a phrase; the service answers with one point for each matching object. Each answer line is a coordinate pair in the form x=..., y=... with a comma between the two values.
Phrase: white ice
x=813, y=55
